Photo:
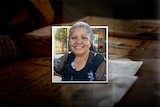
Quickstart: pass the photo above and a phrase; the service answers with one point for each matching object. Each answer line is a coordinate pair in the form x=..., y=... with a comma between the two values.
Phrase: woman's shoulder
x=66, y=55
x=98, y=55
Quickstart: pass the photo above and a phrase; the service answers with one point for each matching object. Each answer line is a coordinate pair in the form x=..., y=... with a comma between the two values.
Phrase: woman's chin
x=78, y=53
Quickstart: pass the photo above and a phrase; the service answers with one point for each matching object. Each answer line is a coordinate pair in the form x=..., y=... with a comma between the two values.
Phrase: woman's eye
x=74, y=38
x=84, y=38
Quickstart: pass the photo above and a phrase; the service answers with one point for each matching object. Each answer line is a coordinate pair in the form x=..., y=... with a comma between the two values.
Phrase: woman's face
x=79, y=41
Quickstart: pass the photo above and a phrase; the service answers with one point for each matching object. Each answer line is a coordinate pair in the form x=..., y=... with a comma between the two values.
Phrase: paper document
x=124, y=67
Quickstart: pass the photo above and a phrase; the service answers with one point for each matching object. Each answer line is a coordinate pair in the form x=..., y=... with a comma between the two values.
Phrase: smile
x=78, y=47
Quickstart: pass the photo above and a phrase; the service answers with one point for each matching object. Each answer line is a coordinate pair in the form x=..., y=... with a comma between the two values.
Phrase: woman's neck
x=84, y=56
x=80, y=61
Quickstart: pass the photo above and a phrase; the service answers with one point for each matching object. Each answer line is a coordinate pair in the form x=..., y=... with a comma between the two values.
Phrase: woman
x=81, y=63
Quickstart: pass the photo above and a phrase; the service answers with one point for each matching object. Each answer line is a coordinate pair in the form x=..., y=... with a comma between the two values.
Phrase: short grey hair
x=82, y=25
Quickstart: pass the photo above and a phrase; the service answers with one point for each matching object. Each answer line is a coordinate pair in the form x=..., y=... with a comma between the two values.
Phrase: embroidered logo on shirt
x=56, y=62
x=105, y=76
x=90, y=75
x=96, y=75
x=73, y=66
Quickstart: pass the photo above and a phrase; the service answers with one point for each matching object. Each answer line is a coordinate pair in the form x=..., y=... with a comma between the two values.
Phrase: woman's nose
x=79, y=41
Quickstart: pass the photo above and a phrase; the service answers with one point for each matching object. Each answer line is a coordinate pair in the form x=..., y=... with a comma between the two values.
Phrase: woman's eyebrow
x=85, y=35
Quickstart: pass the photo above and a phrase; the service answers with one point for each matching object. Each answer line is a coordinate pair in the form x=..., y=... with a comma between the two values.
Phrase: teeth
x=78, y=47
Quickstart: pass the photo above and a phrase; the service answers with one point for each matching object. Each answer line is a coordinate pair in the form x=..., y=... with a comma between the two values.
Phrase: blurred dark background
x=22, y=16
x=18, y=17
x=122, y=9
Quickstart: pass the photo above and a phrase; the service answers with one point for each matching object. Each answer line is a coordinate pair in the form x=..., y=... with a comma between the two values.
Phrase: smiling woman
x=81, y=63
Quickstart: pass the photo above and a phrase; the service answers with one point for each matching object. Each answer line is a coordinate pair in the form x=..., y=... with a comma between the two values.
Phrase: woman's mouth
x=78, y=47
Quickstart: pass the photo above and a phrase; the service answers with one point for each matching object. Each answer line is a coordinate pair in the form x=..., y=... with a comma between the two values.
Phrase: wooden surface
x=27, y=82
x=146, y=90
